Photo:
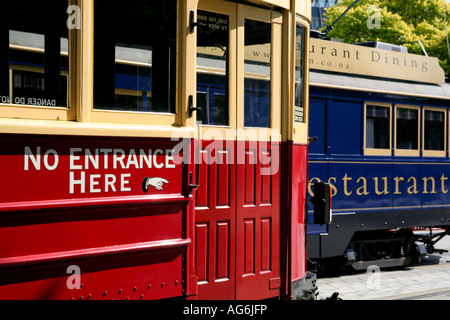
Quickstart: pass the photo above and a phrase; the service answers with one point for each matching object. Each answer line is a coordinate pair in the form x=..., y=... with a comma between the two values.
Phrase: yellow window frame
x=87, y=111
x=299, y=131
x=407, y=152
x=377, y=151
x=434, y=153
x=36, y=112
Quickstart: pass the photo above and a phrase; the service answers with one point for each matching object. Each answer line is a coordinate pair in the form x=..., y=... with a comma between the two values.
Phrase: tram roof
x=379, y=85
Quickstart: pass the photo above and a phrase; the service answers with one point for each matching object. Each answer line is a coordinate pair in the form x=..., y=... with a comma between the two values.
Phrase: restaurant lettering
x=367, y=61
x=380, y=186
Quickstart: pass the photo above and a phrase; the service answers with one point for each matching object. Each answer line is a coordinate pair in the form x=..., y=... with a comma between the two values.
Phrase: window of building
x=378, y=129
x=135, y=56
x=34, y=64
x=434, y=128
x=407, y=131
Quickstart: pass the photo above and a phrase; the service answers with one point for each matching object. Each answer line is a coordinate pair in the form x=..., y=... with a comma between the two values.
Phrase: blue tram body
x=380, y=192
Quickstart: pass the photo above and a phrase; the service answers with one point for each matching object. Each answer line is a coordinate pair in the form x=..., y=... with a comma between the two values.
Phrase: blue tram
x=381, y=118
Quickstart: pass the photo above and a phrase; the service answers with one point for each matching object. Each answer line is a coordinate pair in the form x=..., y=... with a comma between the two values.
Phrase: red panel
x=46, y=233
x=249, y=253
x=201, y=196
x=244, y=237
x=250, y=177
x=201, y=249
x=266, y=240
x=82, y=168
x=219, y=216
x=223, y=178
x=126, y=231
x=298, y=233
x=139, y=277
x=266, y=185
x=223, y=249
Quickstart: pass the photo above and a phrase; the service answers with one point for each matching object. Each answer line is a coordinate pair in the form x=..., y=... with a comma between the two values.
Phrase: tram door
x=238, y=201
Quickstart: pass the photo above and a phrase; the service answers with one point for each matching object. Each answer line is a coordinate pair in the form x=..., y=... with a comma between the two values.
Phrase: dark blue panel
x=317, y=126
x=316, y=228
x=345, y=127
x=407, y=178
x=435, y=184
x=361, y=185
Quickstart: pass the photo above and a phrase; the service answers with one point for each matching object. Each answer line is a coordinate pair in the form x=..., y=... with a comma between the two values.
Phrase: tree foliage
x=412, y=20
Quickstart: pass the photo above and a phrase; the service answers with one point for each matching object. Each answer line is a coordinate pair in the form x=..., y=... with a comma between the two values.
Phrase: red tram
x=154, y=149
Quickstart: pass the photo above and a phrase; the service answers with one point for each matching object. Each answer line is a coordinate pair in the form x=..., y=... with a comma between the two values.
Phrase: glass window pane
x=299, y=70
x=434, y=130
x=34, y=63
x=377, y=127
x=135, y=60
x=407, y=129
x=257, y=69
x=212, y=65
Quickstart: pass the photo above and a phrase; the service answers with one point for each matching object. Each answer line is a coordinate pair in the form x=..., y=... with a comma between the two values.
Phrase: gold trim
x=384, y=208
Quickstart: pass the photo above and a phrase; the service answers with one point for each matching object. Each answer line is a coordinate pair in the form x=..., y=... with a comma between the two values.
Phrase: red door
x=215, y=228
x=258, y=223
x=237, y=240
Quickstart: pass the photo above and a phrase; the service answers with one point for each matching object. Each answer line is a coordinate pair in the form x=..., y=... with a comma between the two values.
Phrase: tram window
x=257, y=69
x=299, y=73
x=135, y=51
x=377, y=127
x=407, y=127
x=34, y=53
x=213, y=60
x=434, y=130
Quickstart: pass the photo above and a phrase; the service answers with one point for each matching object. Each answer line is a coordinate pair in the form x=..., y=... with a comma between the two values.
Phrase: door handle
x=191, y=107
x=192, y=186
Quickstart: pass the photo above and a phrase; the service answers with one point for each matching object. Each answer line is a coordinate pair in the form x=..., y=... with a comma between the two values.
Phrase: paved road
x=425, y=280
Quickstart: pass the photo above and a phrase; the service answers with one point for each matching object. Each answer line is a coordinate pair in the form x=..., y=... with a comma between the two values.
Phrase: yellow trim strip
x=25, y=126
